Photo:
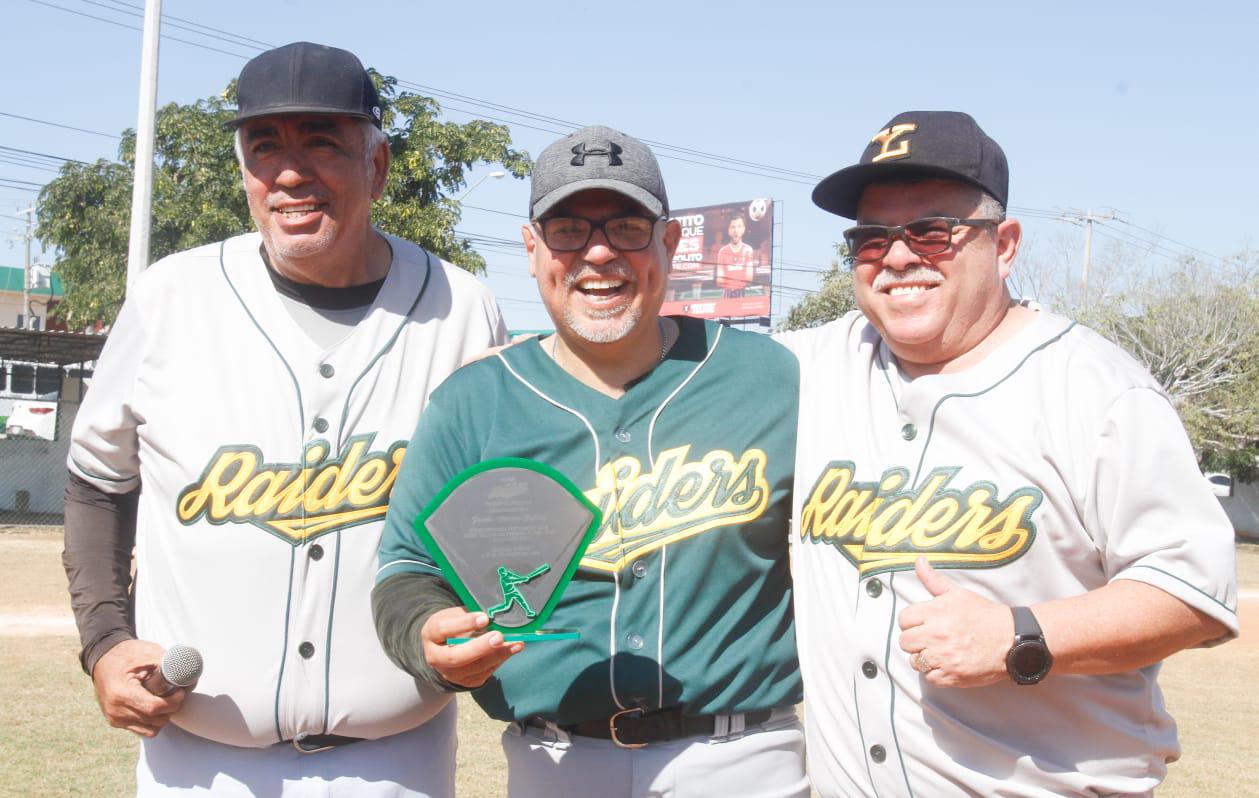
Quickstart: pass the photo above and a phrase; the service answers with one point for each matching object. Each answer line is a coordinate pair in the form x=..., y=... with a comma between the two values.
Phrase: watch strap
x=1025, y=625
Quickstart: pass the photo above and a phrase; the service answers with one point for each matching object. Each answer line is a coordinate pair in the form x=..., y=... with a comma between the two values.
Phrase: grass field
x=53, y=741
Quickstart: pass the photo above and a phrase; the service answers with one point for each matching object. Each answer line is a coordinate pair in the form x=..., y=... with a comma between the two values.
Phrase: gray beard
x=603, y=334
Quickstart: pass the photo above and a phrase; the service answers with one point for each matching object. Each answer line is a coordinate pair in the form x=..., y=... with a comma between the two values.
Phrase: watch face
x=1029, y=662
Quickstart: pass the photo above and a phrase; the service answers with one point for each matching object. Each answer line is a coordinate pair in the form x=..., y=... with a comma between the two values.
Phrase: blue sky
x=1147, y=109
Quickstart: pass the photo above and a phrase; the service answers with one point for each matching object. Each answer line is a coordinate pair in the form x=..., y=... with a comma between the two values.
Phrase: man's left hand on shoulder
x=957, y=638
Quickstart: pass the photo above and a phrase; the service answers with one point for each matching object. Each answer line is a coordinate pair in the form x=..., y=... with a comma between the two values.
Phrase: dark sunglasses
x=930, y=235
x=624, y=233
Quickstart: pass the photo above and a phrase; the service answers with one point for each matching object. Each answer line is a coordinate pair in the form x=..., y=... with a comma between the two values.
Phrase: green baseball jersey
x=684, y=596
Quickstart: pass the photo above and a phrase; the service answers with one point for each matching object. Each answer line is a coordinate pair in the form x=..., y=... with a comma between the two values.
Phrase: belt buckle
x=612, y=728
x=297, y=745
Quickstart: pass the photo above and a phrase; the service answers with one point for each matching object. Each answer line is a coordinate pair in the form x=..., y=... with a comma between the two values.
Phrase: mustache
x=888, y=278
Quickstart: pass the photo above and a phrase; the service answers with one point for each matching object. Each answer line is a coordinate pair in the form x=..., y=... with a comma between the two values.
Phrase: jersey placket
x=882, y=676
x=635, y=622
x=303, y=697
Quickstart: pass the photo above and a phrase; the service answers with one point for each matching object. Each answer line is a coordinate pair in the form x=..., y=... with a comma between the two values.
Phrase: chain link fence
x=42, y=380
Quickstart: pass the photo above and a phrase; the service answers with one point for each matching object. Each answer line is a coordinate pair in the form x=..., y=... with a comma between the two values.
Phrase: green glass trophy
x=508, y=534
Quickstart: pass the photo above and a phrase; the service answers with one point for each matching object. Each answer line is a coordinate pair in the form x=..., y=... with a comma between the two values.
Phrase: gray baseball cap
x=597, y=157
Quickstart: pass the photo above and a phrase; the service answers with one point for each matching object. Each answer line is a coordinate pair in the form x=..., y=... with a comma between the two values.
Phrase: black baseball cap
x=947, y=144
x=597, y=157
x=305, y=78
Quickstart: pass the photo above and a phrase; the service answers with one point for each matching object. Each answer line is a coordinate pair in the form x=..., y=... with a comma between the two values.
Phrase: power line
x=26, y=164
x=38, y=154
x=721, y=161
x=58, y=124
x=571, y=125
x=132, y=27
x=664, y=149
x=174, y=22
x=244, y=40
x=1170, y=240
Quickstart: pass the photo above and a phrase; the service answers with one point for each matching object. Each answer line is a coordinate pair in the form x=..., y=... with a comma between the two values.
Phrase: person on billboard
x=736, y=261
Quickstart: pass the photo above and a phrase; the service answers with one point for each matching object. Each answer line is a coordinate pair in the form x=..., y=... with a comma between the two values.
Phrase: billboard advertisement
x=722, y=266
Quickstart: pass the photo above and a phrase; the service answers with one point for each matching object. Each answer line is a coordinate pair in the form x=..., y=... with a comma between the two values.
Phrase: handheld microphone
x=180, y=667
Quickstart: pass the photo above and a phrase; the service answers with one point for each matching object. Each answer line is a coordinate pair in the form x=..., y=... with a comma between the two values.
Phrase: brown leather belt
x=635, y=728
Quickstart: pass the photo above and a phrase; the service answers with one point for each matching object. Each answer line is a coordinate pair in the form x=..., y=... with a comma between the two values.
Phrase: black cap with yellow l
x=947, y=144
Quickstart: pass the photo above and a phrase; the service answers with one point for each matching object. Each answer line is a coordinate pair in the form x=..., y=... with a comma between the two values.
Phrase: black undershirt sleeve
x=100, y=533
x=400, y=606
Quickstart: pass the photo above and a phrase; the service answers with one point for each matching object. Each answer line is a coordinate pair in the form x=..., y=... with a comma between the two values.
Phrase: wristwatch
x=1029, y=659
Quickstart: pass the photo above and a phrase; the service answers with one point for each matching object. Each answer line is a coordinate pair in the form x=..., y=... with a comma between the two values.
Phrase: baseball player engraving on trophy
x=507, y=582
x=508, y=533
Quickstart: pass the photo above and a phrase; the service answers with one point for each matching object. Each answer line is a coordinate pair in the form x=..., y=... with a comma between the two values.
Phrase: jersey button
x=307, y=650
x=326, y=370
x=639, y=568
x=316, y=552
x=321, y=425
x=622, y=435
x=635, y=641
x=869, y=669
x=878, y=753
x=909, y=432
x=874, y=588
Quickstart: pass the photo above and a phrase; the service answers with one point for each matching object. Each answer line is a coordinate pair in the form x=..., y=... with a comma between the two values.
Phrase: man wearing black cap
x=245, y=426
x=684, y=677
x=947, y=426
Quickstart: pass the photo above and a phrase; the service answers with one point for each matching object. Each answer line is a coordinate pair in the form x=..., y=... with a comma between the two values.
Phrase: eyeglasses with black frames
x=930, y=235
x=624, y=233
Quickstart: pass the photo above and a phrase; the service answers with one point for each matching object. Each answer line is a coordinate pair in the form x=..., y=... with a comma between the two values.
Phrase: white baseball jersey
x=1051, y=468
x=266, y=463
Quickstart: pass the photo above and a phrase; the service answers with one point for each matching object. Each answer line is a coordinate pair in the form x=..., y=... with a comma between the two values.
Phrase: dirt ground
x=57, y=744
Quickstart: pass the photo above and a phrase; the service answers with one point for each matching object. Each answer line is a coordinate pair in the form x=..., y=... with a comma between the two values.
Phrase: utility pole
x=24, y=315
x=142, y=187
x=1087, y=218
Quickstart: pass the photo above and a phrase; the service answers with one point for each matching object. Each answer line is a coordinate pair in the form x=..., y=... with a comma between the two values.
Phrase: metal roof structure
x=43, y=346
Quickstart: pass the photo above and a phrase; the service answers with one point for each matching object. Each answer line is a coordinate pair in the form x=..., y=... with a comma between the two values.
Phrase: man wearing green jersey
x=685, y=673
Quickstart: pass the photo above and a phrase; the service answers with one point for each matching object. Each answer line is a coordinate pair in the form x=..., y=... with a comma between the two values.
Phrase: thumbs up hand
x=957, y=638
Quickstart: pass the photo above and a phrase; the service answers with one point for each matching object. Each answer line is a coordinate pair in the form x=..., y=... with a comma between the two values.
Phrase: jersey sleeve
x=1156, y=518
x=104, y=445
x=498, y=328
x=437, y=452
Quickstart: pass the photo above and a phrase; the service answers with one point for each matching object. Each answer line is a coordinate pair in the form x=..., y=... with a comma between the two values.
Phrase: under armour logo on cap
x=597, y=157
x=612, y=152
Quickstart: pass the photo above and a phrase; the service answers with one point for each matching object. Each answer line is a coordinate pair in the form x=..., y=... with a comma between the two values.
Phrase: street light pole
x=471, y=188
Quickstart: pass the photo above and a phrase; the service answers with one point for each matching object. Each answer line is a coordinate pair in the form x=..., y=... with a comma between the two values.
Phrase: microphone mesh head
x=181, y=665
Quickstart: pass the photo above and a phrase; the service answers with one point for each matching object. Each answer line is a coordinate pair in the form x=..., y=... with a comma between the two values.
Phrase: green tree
x=834, y=299
x=197, y=198
x=1197, y=331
